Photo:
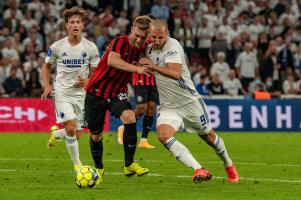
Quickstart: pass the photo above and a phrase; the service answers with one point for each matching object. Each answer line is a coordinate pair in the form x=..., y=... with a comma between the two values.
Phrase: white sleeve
x=94, y=57
x=173, y=55
x=50, y=57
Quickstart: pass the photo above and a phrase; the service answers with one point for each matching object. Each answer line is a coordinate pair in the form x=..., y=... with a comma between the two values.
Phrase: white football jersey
x=71, y=62
x=172, y=93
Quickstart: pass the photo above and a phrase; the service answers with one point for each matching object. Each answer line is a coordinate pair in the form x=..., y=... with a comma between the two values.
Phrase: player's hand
x=144, y=70
x=146, y=63
x=80, y=82
x=47, y=92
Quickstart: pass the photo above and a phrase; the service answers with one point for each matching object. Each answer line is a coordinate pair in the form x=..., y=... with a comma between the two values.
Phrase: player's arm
x=115, y=60
x=171, y=70
x=45, y=76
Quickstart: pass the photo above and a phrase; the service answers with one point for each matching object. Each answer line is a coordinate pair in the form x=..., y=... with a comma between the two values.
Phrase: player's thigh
x=121, y=108
x=64, y=108
x=196, y=118
x=170, y=118
x=95, y=113
x=79, y=106
x=153, y=94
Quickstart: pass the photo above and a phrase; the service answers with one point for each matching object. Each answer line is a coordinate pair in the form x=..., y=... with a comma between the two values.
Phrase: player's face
x=75, y=25
x=138, y=37
x=158, y=37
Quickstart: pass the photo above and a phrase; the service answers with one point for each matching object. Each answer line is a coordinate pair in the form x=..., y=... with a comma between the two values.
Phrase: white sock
x=143, y=139
x=221, y=151
x=182, y=153
x=72, y=147
x=60, y=134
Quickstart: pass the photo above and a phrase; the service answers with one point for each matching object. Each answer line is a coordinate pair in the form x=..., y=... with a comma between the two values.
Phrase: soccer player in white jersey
x=73, y=56
x=181, y=103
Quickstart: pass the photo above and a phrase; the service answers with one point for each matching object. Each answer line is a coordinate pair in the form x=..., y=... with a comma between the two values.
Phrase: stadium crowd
x=234, y=47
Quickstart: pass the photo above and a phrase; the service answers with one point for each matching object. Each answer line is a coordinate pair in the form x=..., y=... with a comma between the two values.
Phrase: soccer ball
x=86, y=177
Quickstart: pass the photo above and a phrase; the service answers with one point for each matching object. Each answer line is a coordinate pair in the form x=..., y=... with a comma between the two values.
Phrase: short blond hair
x=74, y=11
x=142, y=22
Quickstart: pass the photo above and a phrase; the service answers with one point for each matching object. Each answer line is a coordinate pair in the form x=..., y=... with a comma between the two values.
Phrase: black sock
x=129, y=143
x=147, y=125
x=96, y=151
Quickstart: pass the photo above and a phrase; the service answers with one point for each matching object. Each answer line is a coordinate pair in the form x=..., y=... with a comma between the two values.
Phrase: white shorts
x=69, y=108
x=194, y=116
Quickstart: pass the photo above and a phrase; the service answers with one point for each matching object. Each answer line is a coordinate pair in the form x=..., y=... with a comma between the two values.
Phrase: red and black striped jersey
x=107, y=81
x=143, y=80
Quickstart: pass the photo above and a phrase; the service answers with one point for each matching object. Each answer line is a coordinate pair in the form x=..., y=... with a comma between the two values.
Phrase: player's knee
x=96, y=138
x=162, y=137
x=70, y=130
x=151, y=109
x=209, y=138
x=141, y=109
x=128, y=117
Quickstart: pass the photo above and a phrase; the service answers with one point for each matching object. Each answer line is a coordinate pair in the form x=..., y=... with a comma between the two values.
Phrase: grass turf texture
x=269, y=164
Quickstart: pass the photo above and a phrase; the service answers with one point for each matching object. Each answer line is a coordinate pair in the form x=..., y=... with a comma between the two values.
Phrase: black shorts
x=96, y=108
x=143, y=94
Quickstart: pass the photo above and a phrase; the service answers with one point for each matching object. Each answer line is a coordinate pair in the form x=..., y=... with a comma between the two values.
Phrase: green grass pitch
x=269, y=165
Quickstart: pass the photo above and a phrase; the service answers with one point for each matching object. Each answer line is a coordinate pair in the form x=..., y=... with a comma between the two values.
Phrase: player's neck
x=74, y=39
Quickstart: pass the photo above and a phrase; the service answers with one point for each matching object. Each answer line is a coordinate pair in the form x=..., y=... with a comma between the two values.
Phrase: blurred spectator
x=261, y=93
x=113, y=29
x=253, y=84
x=220, y=67
x=269, y=62
x=233, y=51
x=8, y=51
x=233, y=85
x=12, y=84
x=33, y=85
x=204, y=36
x=122, y=20
x=219, y=45
x=28, y=21
x=187, y=38
x=95, y=27
x=106, y=17
x=215, y=87
x=12, y=22
x=290, y=86
x=247, y=66
x=270, y=87
x=160, y=10
x=285, y=57
x=202, y=87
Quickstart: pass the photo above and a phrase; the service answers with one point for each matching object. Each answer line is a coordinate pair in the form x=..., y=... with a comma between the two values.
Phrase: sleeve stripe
x=115, y=44
x=119, y=45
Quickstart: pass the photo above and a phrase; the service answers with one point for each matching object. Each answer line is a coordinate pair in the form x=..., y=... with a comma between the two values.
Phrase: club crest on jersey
x=49, y=52
x=62, y=115
x=84, y=54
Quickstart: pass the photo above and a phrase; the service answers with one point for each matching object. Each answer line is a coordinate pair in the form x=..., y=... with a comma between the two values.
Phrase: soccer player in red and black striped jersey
x=107, y=90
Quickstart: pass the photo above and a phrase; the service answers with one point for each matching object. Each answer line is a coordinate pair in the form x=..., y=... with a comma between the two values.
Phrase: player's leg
x=66, y=108
x=147, y=124
x=167, y=125
x=217, y=143
x=94, y=117
x=121, y=108
x=72, y=143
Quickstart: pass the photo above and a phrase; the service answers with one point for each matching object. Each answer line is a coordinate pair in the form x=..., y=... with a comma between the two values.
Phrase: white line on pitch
x=153, y=161
x=161, y=175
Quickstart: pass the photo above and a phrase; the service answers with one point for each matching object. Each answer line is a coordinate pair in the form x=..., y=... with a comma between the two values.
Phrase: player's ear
x=132, y=29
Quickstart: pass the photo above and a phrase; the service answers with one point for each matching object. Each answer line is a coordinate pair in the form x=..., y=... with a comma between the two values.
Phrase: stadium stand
x=270, y=30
